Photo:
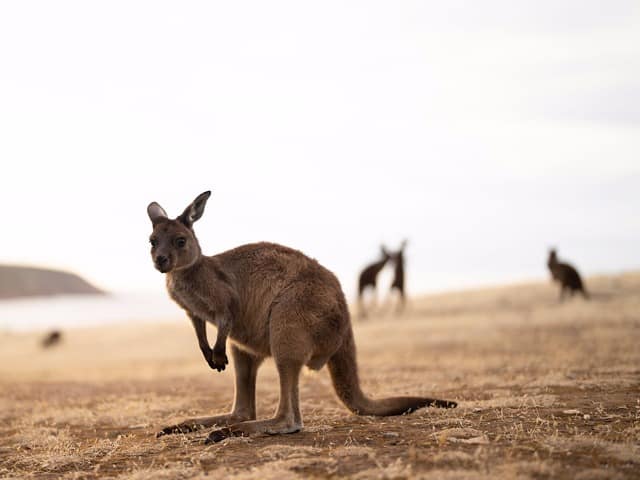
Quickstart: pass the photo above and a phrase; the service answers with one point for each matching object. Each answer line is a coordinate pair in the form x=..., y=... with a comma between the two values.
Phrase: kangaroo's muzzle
x=162, y=263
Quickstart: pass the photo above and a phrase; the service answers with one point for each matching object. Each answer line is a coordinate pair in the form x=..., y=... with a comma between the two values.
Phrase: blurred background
x=483, y=132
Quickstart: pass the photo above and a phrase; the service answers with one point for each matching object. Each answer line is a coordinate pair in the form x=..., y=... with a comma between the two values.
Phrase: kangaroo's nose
x=161, y=260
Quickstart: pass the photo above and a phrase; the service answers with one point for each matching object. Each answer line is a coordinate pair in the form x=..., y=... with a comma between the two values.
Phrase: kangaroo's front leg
x=216, y=358
x=200, y=327
x=219, y=355
x=244, y=403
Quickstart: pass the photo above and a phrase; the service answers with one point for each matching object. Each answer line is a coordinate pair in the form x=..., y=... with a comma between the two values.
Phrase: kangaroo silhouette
x=269, y=300
x=398, y=274
x=368, y=278
x=566, y=275
x=52, y=338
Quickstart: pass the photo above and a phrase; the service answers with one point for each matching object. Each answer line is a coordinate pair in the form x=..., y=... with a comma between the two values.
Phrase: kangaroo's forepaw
x=219, y=361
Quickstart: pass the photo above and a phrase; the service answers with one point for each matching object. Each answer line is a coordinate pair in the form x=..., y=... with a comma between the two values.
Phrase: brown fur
x=269, y=300
x=566, y=275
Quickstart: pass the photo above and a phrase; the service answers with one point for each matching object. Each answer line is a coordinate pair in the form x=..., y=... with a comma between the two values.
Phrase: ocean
x=72, y=311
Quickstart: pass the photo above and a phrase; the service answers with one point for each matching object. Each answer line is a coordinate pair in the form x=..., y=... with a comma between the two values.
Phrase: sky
x=482, y=132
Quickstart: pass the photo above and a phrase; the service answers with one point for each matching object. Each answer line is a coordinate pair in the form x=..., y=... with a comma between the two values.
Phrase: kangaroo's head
x=553, y=257
x=173, y=243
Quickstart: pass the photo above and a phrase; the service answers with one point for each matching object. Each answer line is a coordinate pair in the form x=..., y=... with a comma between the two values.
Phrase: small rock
x=587, y=416
x=477, y=410
x=572, y=412
x=390, y=434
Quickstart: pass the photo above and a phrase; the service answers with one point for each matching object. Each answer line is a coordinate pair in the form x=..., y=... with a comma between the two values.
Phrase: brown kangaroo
x=270, y=300
x=368, y=278
x=398, y=274
x=566, y=275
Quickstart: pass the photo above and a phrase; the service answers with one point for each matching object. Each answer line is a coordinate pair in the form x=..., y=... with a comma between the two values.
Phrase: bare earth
x=546, y=390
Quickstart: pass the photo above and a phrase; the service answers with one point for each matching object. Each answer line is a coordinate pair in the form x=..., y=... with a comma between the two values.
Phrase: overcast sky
x=483, y=132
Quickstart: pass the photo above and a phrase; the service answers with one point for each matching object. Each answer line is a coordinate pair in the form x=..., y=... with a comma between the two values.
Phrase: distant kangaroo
x=566, y=275
x=368, y=278
x=269, y=300
x=398, y=275
x=52, y=338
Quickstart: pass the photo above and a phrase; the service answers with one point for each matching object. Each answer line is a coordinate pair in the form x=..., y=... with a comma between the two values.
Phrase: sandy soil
x=546, y=390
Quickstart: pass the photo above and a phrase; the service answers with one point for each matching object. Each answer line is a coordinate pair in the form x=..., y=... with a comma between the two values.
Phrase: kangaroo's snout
x=162, y=263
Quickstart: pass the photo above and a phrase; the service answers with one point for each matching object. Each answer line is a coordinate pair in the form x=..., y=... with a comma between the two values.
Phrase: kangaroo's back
x=569, y=276
x=264, y=273
x=269, y=267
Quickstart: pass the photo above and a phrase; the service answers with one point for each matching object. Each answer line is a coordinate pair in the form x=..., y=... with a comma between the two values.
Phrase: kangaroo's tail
x=344, y=374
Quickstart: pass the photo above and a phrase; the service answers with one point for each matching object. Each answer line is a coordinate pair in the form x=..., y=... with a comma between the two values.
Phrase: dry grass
x=545, y=390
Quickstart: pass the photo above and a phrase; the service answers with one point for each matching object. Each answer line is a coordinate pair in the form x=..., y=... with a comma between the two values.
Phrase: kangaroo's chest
x=214, y=304
x=193, y=301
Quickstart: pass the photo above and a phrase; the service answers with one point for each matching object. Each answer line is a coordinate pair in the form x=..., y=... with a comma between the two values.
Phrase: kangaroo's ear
x=384, y=251
x=195, y=210
x=403, y=245
x=156, y=212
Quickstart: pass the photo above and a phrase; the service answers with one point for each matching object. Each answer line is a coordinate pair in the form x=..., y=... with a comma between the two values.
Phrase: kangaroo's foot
x=193, y=424
x=273, y=426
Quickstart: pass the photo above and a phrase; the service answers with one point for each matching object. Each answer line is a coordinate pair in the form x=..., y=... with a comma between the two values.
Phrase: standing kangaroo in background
x=269, y=300
x=398, y=275
x=566, y=275
x=368, y=278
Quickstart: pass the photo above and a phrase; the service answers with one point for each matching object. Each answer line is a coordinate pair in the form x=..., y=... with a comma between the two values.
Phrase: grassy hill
x=17, y=281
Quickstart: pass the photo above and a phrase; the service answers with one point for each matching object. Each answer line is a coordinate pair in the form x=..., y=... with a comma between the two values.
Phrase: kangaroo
x=368, y=278
x=269, y=300
x=566, y=275
x=398, y=275
x=52, y=338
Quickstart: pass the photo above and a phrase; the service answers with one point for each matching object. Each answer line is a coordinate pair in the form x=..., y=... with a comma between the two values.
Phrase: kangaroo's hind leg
x=287, y=418
x=244, y=404
x=293, y=326
x=402, y=301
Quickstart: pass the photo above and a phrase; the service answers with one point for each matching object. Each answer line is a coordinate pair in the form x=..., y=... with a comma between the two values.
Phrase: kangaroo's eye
x=180, y=242
x=153, y=242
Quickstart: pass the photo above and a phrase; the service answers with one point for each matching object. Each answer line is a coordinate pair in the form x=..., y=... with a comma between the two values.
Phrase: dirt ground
x=546, y=390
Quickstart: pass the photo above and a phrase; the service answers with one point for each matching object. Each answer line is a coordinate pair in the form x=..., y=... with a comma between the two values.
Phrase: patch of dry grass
x=546, y=390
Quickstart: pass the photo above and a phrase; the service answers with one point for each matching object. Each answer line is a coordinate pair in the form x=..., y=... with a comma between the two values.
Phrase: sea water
x=64, y=311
